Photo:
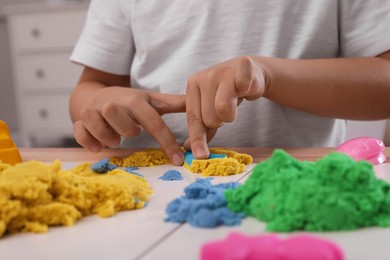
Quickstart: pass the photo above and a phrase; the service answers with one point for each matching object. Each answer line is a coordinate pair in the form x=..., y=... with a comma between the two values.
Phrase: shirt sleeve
x=364, y=27
x=106, y=42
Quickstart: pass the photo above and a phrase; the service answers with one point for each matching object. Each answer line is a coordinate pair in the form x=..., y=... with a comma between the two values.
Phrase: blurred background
x=36, y=77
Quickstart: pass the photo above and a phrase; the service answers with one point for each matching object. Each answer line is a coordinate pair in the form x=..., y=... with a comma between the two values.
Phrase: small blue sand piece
x=189, y=157
x=204, y=205
x=171, y=175
x=133, y=172
x=103, y=166
x=131, y=168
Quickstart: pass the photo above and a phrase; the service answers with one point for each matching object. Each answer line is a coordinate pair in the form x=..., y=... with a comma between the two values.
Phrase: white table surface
x=143, y=234
x=127, y=235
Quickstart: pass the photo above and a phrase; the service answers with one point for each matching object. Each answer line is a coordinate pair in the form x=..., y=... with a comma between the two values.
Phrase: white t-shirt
x=161, y=43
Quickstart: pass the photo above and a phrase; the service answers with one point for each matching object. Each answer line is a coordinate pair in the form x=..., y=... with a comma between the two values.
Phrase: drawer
x=47, y=30
x=48, y=113
x=49, y=71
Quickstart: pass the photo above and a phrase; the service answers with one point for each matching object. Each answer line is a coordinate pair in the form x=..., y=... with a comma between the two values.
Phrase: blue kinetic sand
x=131, y=168
x=171, y=175
x=203, y=205
x=136, y=173
x=103, y=166
x=189, y=157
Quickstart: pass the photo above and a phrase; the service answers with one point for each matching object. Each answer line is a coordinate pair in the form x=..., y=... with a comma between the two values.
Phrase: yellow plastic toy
x=9, y=153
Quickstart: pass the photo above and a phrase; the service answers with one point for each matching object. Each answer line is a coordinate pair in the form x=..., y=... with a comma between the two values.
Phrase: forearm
x=357, y=89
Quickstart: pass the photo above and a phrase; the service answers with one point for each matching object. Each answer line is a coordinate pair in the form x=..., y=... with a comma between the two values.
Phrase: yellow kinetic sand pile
x=34, y=196
x=229, y=163
x=149, y=157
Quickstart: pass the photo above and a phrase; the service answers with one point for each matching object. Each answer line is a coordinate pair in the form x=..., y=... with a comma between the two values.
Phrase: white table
x=127, y=235
x=143, y=234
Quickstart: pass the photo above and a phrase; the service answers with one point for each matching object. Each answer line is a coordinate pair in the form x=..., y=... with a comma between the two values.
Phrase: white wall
x=9, y=2
x=363, y=128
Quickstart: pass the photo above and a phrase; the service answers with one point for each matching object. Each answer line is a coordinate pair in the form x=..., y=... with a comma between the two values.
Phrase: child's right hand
x=120, y=111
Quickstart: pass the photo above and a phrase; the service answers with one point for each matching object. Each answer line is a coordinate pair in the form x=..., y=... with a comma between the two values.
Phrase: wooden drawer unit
x=42, y=38
x=47, y=30
x=48, y=72
x=47, y=112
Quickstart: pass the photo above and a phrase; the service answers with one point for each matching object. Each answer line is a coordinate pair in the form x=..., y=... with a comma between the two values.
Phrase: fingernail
x=200, y=153
x=95, y=148
x=113, y=143
x=178, y=159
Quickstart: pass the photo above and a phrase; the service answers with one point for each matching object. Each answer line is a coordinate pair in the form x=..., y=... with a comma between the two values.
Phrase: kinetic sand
x=334, y=193
x=234, y=162
x=34, y=196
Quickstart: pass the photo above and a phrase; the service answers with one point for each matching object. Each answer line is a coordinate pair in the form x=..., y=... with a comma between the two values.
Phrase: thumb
x=167, y=103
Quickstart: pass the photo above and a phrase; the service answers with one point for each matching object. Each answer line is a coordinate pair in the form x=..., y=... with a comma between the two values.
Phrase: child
x=262, y=73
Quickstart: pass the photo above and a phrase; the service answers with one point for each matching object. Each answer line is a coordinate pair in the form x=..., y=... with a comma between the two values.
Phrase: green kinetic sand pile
x=334, y=193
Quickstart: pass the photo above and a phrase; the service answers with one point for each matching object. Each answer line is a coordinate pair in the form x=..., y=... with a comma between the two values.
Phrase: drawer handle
x=35, y=33
x=40, y=74
x=43, y=113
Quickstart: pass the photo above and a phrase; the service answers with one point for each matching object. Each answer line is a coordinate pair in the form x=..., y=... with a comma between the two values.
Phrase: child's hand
x=213, y=96
x=117, y=111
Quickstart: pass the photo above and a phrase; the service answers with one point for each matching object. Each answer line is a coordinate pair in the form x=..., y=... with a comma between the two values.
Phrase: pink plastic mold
x=364, y=148
x=271, y=247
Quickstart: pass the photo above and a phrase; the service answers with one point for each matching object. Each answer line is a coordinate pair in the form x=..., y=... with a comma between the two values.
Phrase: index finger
x=196, y=129
x=152, y=122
